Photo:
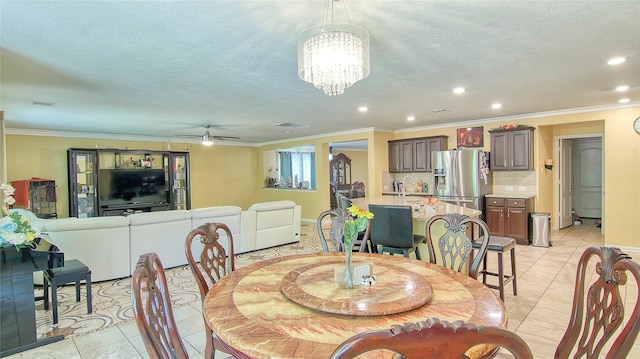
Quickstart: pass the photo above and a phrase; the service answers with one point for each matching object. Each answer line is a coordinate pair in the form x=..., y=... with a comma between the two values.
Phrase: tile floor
x=539, y=313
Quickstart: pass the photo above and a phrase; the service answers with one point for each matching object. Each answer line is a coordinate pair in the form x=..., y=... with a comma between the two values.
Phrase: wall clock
x=636, y=125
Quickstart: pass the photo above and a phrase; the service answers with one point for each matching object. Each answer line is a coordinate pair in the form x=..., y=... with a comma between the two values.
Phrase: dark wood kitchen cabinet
x=414, y=155
x=509, y=217
x=401, y=156
x=512, y=150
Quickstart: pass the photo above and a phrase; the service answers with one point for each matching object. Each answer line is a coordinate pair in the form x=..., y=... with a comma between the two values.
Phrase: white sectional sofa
x=111, y=246
x=273, y=223
x=162, y=232
x=102, y=243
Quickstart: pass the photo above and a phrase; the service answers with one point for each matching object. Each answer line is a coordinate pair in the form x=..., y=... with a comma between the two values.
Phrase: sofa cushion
x=159, y=217
x=75, y=224
x=270, y=206
x=102, y=243
x=229, y=215
x=161, y=232
x=218, y=211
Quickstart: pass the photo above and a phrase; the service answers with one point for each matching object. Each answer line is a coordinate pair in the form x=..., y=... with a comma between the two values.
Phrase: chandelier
x=333, y=56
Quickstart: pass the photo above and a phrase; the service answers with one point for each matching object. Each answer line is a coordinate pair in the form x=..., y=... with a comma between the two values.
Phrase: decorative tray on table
x=396, y=290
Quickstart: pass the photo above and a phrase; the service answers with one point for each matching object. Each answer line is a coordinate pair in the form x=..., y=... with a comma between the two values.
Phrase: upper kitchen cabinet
x=414, y=155
x=512, y=149
x=401, y=156
x=436, y=143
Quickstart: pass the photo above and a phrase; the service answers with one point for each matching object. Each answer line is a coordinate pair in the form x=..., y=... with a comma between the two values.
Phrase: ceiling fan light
x=207, y=139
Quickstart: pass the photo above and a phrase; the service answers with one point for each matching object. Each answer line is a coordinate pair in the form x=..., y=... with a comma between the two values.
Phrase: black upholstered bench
x=72, y=271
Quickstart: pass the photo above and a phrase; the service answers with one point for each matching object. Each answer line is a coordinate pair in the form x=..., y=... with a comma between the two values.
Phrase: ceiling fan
x=207, y=138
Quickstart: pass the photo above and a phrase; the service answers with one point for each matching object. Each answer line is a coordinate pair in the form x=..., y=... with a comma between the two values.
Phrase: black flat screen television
x=123, y=186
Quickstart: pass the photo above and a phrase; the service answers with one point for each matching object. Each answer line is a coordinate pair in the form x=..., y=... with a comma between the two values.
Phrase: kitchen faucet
x=403, y=195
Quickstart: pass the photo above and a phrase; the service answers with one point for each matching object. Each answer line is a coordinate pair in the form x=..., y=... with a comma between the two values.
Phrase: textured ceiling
x=164, y=68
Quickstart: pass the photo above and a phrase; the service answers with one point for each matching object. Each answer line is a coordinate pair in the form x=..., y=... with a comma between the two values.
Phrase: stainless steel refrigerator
x=462, y=177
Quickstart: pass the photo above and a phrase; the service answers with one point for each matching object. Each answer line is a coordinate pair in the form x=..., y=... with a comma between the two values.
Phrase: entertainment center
x=114, y=182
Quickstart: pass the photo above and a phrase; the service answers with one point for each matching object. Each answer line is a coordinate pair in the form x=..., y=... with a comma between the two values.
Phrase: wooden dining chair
x=152, y=310
x=214, y=263
x=342, y=201
x=330, y=228
x=356, y=190
x=432, y=338
x=598, y=318
x=455, y=247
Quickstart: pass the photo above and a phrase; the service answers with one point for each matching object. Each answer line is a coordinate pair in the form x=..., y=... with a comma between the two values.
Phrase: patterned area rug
x=112, y=299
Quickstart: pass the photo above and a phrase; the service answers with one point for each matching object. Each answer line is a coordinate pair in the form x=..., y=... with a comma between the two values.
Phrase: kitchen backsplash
x=523, y=182
x=388, y=178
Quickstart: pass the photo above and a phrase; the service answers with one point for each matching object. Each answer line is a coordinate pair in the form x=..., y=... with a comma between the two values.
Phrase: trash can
x=541, y=229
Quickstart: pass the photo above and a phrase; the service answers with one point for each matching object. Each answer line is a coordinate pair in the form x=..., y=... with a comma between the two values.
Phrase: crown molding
x=112, y=136
x=107, y=136
x=523, y=117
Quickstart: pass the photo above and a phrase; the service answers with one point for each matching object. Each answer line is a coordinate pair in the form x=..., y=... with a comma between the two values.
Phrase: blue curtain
x=299, y=166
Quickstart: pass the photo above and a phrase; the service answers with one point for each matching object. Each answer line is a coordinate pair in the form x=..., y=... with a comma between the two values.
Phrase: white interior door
x=565, y=183
x=587, y=177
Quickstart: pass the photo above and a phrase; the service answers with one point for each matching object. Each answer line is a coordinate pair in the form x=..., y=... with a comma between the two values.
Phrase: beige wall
x=220, y=176
x=212, y=183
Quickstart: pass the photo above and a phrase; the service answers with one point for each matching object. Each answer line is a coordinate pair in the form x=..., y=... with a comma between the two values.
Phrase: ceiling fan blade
x=226, y=138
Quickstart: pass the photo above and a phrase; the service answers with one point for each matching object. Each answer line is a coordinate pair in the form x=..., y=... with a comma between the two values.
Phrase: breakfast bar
x=422, y=212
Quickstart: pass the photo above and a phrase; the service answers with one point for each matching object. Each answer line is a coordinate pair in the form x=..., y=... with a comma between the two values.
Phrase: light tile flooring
x=539, y=313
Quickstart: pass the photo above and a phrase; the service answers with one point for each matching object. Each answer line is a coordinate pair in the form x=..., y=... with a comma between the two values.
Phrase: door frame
x=559, y=164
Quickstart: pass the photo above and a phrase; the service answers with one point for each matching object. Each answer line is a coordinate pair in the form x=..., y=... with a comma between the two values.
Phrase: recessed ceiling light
x=411, y=118
x=622, y=88
x=624, y=100
x=616, y=60
x=496, y=106
x=459, y=90
x=363, y=109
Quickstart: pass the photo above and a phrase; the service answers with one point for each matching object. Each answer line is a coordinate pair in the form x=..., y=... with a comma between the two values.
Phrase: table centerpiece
x=357, y=223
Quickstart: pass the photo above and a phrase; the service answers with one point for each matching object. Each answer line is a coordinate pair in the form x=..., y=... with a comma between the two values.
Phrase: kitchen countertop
x=511, y=195
x=421, y=194
x=440, y=208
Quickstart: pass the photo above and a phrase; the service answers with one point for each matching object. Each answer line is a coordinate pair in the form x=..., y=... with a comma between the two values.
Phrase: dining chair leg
x=484, y=269
x=513, y=270
x=501, y=275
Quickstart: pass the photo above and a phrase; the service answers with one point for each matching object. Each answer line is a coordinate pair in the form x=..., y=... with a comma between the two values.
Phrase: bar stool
x=73, y=271
x=499, y=245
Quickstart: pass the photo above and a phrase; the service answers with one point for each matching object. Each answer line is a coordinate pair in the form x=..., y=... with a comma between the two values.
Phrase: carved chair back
x=454, y=245
x=343, y=201
x=214, y=263
x=330, y=228
x=598, y=318
x=152, y=310
x=356, y=190
x=432, y=338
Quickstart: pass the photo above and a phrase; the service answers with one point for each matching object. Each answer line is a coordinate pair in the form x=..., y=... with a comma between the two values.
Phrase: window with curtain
x=297, y=167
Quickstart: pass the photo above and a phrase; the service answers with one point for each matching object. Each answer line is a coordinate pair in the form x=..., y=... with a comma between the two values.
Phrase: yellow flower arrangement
x=358, y=223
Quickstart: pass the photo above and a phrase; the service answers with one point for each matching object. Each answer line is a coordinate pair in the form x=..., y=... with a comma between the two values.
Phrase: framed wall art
x=470, y=137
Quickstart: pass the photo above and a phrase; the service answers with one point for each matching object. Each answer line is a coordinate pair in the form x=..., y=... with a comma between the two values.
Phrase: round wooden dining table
x=292, y=306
